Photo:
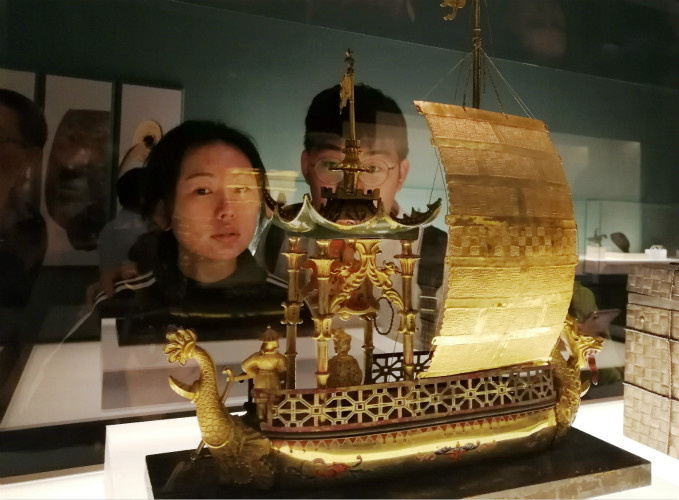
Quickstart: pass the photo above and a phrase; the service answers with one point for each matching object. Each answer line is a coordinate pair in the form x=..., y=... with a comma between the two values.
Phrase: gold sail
x=511, y=252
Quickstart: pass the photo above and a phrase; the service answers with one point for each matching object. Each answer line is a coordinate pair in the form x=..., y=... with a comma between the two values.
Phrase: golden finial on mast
x=454, y=5
x=347, y=83
x=477, y=49
x=351, y=165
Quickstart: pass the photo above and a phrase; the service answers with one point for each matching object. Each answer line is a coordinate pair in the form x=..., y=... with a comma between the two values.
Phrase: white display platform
x=74, y=486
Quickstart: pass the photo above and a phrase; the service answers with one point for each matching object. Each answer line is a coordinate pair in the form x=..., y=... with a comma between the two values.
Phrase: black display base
x=580, y=466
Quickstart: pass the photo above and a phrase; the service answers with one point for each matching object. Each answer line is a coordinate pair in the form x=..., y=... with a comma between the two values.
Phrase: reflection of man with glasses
x=23, y=234
x=381, y=129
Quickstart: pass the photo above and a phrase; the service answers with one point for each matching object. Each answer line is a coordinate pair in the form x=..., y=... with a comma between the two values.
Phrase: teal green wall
x=259, y=74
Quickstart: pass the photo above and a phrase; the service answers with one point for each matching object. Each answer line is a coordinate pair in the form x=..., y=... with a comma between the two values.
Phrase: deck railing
x=387, y=366
x=300, y=410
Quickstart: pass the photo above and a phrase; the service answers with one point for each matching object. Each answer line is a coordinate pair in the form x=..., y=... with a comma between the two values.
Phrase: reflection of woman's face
x=216, y=204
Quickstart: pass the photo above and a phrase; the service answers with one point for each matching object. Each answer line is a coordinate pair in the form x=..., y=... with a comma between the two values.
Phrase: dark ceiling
x=631, y=40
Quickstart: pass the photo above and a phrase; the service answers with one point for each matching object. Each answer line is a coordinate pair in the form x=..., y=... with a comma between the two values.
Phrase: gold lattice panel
x=362, y=406
x=507, y=240
x=387, y=367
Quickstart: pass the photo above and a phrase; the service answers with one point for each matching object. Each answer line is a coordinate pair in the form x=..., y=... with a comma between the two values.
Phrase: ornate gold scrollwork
x=351, y=276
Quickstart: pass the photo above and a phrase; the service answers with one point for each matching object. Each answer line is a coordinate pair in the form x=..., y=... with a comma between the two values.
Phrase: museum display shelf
x=609, y=262
x=613, y=236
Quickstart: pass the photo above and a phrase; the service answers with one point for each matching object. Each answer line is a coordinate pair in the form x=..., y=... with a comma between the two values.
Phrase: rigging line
x=444, y=76
x=443, y=175
x=459, y=77
x=433, y=182
x=516, y=96
x=466, y=85
x=439, y=170
x=492, y=49
x=497, y=94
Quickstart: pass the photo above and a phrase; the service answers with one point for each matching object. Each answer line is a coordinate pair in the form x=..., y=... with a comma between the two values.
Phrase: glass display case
x=605, y=83
x=613, y=235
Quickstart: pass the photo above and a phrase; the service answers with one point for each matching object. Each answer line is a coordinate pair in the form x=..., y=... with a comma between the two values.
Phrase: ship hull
x=347, y=434
x=347, y=459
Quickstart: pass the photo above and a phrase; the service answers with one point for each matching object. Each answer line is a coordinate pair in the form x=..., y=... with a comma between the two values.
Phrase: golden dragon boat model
x=495, y=383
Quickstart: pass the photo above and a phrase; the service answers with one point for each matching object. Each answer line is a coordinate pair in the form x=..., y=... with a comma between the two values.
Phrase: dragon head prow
x=581, y=345
x=180, y=344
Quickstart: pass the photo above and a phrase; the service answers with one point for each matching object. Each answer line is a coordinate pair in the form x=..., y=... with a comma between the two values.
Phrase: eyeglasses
x=325, y=164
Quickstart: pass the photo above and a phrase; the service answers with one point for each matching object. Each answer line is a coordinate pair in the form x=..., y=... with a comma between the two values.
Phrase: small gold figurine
x=266, y=367
x=344, y=369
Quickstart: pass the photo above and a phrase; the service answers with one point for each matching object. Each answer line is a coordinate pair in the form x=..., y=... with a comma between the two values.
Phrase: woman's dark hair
x=32, y=124
x=130, y=188
x=165, y=159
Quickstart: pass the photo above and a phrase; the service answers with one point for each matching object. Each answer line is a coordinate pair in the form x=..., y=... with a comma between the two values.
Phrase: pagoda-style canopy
x=310, y=223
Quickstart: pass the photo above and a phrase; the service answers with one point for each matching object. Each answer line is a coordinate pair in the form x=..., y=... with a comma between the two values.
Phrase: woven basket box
x=652, y=358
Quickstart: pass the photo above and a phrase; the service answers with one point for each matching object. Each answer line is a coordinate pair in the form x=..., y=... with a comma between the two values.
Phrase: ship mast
x=476, y=71
x=477, y=51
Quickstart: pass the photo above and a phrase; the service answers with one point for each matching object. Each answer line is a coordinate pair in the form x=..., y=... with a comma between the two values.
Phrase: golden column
x=368, y=345
x=408, y=316
x=292, y=309
x=368, y=332
x=323, y=319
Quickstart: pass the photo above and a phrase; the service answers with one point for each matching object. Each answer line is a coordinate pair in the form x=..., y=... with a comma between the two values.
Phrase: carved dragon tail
x=216, y=424
x=240, y=452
